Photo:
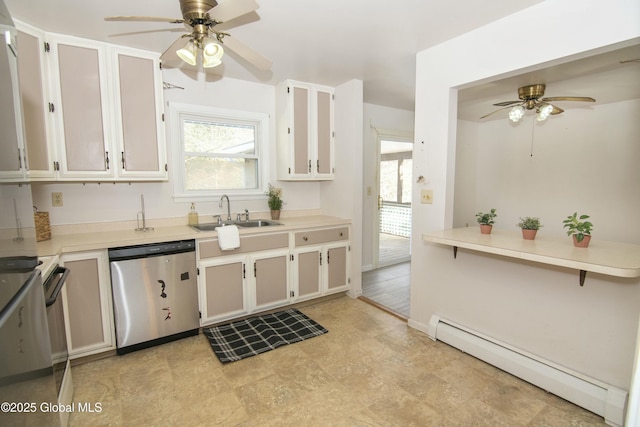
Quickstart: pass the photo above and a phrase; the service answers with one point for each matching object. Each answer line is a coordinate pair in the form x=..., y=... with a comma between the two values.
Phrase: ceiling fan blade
x=493, y=112
x=232, y=9
x=505, y=103
x=556, y=110
x=248, y=54
x=144, y=19
x=568, y=98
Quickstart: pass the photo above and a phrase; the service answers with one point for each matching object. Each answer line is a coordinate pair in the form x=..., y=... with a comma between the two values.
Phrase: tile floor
x=369, y=370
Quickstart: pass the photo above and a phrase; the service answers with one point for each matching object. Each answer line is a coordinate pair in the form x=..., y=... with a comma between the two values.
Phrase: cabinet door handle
x=309, y=166
x=122, y=153
x=318, y=166
x=244, y=271
x=341, y=234
x=305, y=238
x=107, y=159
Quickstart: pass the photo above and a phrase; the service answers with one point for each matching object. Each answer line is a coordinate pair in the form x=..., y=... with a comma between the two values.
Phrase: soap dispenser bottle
x=193, y=215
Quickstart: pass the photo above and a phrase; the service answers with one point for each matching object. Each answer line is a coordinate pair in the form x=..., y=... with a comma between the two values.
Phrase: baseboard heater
x=591, y=394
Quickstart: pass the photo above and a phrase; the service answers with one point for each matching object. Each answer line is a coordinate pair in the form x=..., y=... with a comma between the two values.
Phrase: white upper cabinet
x=94, y=110
x=305, y=122
x=13, y=159
x=81, y=109
x=139, y=111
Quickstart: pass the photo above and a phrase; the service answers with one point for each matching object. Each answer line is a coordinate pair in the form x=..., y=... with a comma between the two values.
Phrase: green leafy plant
x=486, y=218
x=529, y=223
x=275, y=200
x=578, y=227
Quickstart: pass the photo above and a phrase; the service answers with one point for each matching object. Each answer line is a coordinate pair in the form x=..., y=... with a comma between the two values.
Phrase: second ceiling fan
x=531, y=99
x=206, y=20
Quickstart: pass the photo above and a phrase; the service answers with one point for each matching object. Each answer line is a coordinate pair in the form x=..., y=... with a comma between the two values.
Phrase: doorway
x=387, y=285
x=394, y=201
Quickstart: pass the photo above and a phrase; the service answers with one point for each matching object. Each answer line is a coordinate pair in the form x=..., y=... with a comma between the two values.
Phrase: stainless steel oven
x=55, y=277
x=26, y=372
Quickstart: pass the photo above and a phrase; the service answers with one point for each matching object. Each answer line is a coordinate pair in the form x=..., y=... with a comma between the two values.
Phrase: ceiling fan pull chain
x=533, y=128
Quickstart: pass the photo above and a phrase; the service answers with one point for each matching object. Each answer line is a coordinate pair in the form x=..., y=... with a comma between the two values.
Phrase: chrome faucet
x=246, y=216
x=224, y=196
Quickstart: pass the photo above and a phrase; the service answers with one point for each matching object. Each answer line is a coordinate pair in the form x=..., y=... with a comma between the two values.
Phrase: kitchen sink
x=206, y=227
x=256, y=223
x=251, y=223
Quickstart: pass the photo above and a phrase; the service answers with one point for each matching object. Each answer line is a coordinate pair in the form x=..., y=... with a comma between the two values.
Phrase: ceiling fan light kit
x=188, y=53
x=205, y=40
x=531, y=99
x=516, y=113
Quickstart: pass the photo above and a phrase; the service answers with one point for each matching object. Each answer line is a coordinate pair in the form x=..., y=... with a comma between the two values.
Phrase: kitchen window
x=219, y=151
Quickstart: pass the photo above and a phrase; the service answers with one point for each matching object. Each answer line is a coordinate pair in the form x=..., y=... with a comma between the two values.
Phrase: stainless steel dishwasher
x=155, y=296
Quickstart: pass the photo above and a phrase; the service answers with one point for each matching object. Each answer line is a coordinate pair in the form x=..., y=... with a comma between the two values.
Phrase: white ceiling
x=327, y=42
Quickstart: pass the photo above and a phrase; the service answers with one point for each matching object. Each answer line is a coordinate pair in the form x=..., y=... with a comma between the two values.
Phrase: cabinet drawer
x=315, y=237
x=209, y=248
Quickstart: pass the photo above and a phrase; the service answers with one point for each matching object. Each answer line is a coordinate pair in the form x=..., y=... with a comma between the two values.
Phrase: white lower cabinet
x=232, y=286
x=269, y=271
x=254, y=277
x=222, y=288
x=320, y=270
x=88, y=306
x=307, y=273
x=320, y=262
x=270, y=281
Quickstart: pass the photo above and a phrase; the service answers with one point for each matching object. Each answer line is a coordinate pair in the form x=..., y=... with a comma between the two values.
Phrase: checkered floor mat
x=249, y=337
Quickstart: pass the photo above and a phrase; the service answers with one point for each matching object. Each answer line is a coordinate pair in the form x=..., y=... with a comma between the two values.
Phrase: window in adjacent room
x=220, y=151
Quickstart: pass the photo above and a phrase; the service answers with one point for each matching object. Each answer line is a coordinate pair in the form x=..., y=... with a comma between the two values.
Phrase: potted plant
x=529, y=226
x=274, y=201
x=579, y=229
x=486, y=221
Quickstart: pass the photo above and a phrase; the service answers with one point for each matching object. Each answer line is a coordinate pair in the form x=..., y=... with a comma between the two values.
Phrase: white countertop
x=610, y=258
x=89, y=240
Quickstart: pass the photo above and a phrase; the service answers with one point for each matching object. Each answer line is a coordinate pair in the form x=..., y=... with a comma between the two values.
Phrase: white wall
x=584, y=160
x=380, y=118
x=590, y=329
x=342, y=196
x=106, y=202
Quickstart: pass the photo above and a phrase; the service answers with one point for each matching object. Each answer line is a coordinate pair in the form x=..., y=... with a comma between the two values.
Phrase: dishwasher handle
x=151, y=250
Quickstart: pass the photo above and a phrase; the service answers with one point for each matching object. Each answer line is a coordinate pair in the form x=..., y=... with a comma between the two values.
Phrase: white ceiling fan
x=206, y=20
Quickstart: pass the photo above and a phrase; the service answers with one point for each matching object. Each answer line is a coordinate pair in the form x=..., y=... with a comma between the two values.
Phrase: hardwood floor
x=388, y=287
x=393, y=249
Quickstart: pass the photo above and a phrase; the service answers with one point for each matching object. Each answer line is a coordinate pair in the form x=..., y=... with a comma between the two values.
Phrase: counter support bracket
x=583, y=275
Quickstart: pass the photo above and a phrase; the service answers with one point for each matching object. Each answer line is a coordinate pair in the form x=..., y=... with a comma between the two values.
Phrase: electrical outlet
x=56, y=199
x=426, y=196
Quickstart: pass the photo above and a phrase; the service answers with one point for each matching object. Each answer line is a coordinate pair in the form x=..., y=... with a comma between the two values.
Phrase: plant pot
x=584, y=243
x=275, y=214
x=529, y=234
x=485, y=229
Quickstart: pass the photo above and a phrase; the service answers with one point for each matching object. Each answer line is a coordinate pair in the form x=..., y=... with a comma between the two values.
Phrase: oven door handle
x=54, y=295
